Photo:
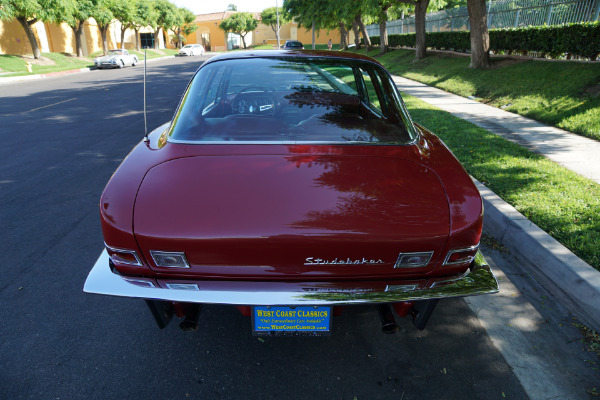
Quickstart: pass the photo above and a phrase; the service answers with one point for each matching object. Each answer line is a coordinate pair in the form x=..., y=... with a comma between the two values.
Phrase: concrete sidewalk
x=577, y=153
x=565, y=274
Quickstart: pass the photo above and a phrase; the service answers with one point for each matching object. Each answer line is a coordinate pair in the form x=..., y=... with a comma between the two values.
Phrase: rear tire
x=135, y=61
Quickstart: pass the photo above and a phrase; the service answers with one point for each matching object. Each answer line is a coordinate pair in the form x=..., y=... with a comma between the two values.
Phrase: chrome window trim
x=457, y=251
x=289, y=142
x=413, y=265
x=170, y=253
x=133, y=252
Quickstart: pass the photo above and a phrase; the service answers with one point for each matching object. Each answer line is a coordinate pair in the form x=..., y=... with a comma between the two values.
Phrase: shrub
x=581, y=40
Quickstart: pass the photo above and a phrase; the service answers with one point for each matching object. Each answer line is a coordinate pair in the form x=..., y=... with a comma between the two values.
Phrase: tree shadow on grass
x=559, y=201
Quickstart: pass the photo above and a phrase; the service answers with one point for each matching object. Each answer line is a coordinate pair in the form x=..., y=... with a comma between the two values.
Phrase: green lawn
x=559, y=93
x=559, y=201
x=15, y=65
x=150, y=53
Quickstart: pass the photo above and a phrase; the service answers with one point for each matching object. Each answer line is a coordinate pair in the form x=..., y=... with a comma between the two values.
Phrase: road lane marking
x=49, y=105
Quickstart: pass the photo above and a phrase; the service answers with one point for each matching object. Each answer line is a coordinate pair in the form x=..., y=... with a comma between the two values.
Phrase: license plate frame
x=291, y=320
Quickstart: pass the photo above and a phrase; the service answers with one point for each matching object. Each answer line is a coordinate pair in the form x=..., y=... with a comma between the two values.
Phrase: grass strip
x=17, y=65
x=564, y=94
x=150, y=53
x=559, y=201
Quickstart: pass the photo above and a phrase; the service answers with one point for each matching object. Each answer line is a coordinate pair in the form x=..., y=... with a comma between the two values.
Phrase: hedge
x=581, y=40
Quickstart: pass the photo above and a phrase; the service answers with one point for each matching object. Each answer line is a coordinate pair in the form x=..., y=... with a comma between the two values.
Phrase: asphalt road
x=61, y=139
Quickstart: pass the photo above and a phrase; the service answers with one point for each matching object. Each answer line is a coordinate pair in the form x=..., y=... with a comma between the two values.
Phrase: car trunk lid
x=288, y=216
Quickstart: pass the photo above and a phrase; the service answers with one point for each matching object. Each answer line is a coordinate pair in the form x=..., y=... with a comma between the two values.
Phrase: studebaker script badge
x=347, y=261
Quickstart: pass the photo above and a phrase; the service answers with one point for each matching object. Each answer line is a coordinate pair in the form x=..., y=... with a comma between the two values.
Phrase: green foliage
x=581, y=39
x=188, y=26
x=83, y=10
x=37, y=10
x=166, y=13
x=102, y=13
x=144, y=14
x=239, y=23
x=269, y=17
x=541, y=90
x=16, y=64
x=307, y=12
x=559, y=201
x=123, y=11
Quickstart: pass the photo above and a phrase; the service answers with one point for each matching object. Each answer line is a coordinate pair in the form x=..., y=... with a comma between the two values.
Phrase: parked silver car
x=117, y=58
x=191, y=50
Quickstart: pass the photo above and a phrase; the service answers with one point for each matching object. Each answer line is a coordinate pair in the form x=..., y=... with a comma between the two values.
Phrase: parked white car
x=117, y=58
x=192, y=50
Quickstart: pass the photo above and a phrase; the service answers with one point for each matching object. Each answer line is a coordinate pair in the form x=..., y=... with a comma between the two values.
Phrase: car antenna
x=145, y=123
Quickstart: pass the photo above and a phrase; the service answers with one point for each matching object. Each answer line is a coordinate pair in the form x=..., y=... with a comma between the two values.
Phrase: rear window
x=278, y=100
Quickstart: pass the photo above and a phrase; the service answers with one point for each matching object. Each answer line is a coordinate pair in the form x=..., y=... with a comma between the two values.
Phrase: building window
x=147, y=40
x=205, y=38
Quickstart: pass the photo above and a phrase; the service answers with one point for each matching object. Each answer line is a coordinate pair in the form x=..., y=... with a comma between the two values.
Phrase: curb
x=569, y=277
x=20, y=78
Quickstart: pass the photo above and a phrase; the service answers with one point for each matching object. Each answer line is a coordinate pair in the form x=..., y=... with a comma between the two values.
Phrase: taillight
x=141, y=282
x=183, y=286
x=413, y=260
x=170, y=259
x=123, y=256
x=461, y=256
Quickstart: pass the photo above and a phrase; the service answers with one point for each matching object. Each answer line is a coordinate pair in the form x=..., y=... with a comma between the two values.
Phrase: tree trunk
x=364, y=32
x=356, y=34
x=78, y=32
x=313, y=34
x=243, y=41
x=103, y=31
x=137, y=39
x=383, y=36
x=480, y=38
x=420, y=12
x=156, y=33
x=343, y=35
x=123, y=29
x=35, y=47
x=276, y=29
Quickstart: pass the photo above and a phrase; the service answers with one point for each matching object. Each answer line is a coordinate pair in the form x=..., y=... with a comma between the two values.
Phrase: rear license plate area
x=291, y=321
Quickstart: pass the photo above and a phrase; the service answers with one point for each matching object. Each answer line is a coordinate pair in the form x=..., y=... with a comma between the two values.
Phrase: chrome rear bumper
x=101, y=280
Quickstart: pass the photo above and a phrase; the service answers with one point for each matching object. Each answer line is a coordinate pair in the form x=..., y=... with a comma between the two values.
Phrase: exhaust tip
x=190, y=322
x=188, y=326
x=388, y=322
x=390, y=329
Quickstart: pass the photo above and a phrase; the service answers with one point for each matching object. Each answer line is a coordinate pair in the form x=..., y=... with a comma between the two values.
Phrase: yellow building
x=60, y=38
x=208, y=33
x=214, y=38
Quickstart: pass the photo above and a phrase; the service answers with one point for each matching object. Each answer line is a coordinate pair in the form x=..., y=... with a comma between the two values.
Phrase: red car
x=290, y=184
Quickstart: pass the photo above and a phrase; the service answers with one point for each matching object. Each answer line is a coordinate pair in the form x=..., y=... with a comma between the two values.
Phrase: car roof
x=339, y=55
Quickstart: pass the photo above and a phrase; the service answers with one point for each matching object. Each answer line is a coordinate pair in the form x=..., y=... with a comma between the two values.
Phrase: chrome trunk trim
x=479, y=280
